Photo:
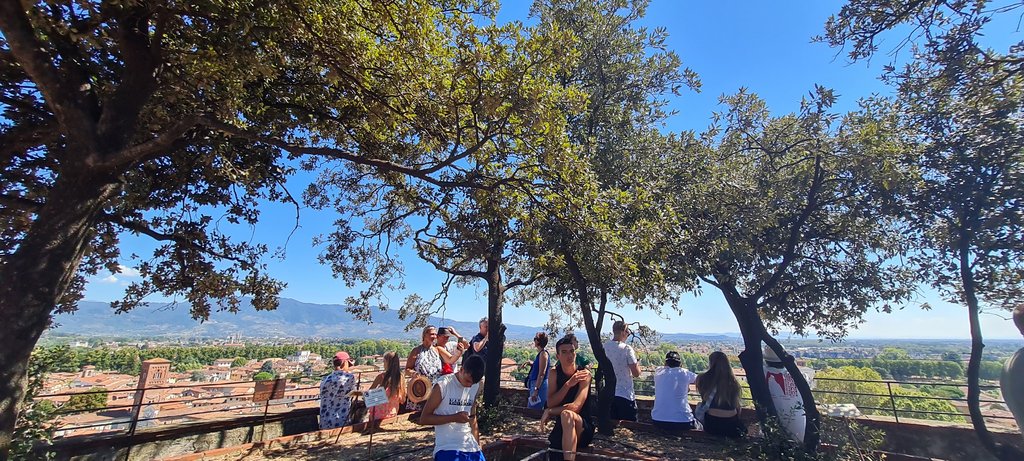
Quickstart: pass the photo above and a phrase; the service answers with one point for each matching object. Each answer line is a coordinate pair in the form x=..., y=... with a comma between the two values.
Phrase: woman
x=425, y=360
x=719, y=387
x=394, y=386
x=536, y=381
x=568, y=387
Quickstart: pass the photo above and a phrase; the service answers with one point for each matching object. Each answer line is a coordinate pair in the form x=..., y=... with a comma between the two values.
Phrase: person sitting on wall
x=720, y=393
x=671, y=410
x=568, y=388
x=335, y=393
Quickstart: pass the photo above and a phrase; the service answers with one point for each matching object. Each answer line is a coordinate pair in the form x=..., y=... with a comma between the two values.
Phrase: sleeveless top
x=560, y=379
x=455, y=398
x=535, y=371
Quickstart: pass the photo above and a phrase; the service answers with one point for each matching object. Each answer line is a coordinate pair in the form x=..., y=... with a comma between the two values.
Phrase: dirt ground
x=409, y=441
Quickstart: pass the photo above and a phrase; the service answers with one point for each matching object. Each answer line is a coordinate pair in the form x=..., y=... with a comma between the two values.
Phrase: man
x=478, y=345
x=582, y=361
x=451, y=407
x=455, y=349
x=335, y=401
x=625, y=366
x=671, y=410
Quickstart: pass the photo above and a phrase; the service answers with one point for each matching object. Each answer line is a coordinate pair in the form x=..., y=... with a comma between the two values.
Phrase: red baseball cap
x=342, y=355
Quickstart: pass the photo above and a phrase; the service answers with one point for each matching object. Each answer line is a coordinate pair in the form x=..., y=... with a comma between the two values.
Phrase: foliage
x=956, y=128
x=93, y=399
x=176, y=122
x=906, y=369
x=495, y=418
x=267, y=367
x=128, y=359
x=263, y=376
x=874, y=396
x=851, y=442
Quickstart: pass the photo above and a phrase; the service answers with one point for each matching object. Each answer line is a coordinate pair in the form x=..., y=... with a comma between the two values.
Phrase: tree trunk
x=34, y=279
x=751, y=358
x=604, y=366
x=1001, y=451
x=812, y=428
x=496, y=329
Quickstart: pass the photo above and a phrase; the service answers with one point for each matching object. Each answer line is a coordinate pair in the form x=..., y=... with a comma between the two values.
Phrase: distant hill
x=292, y=319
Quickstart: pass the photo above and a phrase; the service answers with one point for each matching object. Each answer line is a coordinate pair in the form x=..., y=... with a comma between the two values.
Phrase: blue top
x=535, y=368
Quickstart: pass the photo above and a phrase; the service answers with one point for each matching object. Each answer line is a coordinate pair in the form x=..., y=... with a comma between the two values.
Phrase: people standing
x=392, y=381
x=452, y=409
x=786, y=397
x=625, y=366
x=671, y=410
x=335, y=393
x=536, y=381
x=450, y=352
x=424, y=360
x=720, y=392
x=478, y=345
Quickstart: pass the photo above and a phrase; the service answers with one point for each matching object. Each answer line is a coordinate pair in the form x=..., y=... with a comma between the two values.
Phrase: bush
x=496, y=418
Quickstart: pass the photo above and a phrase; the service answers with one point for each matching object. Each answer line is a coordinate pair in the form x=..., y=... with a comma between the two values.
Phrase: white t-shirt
x=621, y=356
x=455, y=398
x=671, y=384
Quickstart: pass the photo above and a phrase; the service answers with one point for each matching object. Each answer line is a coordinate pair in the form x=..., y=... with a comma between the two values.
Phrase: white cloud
x=109, y=279
x=127, y=271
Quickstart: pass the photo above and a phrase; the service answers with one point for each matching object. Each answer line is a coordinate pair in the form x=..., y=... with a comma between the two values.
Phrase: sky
x=765, y=47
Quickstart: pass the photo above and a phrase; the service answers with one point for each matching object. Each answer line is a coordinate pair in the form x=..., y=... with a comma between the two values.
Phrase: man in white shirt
x=451, y=407
x=625, y=366
x=671, y=410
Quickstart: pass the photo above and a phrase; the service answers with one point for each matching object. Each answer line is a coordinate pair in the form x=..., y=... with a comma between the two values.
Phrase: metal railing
x=239, y=404
x=644, y=386
x=128, y=421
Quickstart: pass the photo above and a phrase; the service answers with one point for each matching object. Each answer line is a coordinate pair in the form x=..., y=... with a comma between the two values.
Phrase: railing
x=239, y=404
x=129, y=421
x=644, y=386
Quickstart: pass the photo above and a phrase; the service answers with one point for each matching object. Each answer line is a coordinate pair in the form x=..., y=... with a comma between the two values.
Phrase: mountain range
x=292, y=319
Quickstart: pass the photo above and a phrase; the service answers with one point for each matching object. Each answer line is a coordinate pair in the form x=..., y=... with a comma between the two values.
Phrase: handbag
x=702, y=408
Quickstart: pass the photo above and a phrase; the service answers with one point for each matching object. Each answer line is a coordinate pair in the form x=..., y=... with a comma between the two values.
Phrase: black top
x=560, y=379
x=472, y=342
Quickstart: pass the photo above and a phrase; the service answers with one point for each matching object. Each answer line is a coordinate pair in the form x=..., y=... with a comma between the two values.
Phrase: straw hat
x=419, y=389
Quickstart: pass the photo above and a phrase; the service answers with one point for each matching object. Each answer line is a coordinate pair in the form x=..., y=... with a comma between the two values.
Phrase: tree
x=263, y=376
x=93, y=399
x=158, y=120
x=851, y=385
x=955, y=124
x=605, y=225
x=267, y=367
x=238, y=362
x=515, y=111
x=791, y=233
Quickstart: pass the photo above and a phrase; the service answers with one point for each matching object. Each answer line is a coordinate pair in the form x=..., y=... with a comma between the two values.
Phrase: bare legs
x=572, y=427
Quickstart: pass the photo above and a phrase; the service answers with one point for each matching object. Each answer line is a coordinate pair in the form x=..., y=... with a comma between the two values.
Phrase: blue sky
x=763, y=46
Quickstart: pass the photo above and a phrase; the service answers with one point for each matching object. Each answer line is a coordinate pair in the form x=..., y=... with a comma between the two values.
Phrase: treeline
x=129, y=360
x=906, y=369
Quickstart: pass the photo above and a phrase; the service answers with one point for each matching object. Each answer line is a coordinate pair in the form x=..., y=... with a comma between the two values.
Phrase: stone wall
x=927, y=439
x=163, y=442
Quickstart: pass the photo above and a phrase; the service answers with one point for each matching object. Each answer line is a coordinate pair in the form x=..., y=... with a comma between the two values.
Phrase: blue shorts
x=452, y=455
